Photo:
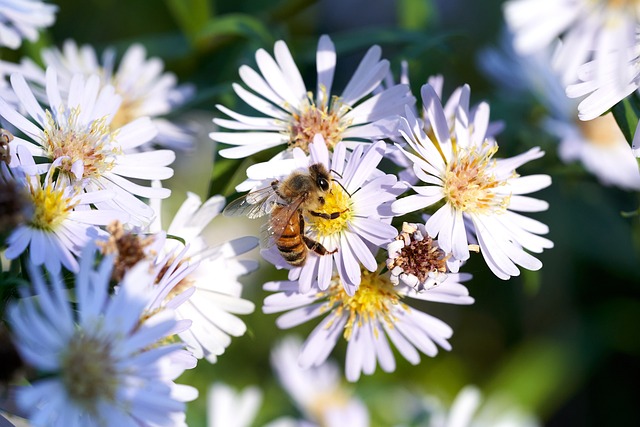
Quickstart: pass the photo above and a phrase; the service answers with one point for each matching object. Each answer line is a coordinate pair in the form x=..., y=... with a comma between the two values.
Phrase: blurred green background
x=563, y=342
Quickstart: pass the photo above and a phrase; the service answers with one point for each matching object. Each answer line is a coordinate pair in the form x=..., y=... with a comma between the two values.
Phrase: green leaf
x=191, y=15
x=626, y=113
x=223, y=173
x=238, y=25
x=415, y=14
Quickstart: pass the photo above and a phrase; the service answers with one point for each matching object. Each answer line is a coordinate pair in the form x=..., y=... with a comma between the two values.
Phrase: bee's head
x=321, y=176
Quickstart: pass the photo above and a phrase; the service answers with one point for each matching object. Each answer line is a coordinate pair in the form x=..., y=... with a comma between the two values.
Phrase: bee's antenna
x=345, y=190
x=336, y=172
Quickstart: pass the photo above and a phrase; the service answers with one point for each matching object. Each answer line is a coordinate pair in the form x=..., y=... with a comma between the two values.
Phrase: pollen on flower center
x=50, y=207
x=469, y=184
x=373, y=300
x=336, y=200
x=128, y=247
x=91, y=144
x=88, y=371
x=315, y=119
x=419, y=256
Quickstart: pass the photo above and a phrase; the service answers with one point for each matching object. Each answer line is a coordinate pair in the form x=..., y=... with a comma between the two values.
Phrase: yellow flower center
x=469, y=185
x=622, y=4
x=602, y=131
x=88, y=371
x=50, y=207
x=127, y=112
x=91, y=144
x=315, y=119
x=375, y=298
x=336, y=200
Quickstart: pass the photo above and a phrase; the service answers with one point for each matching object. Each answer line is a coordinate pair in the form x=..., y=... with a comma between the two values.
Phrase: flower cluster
x=596, y=51
x=110, y=308
x=371, y=200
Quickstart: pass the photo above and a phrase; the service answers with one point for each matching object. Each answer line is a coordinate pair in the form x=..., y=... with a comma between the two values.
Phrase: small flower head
x=209, y=273
x=59, y=221
x=480, y=192
x=318, y=392
x=103, y=359
x=75, y=132
x=88, y=149
x=416, y=259
x=295, y=115
x=375, y=311
x=22, y=19
x=360, y=195
x=126, y=248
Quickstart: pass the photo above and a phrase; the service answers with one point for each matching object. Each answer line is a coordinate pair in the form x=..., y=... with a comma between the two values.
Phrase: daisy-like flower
x=469, y=410
x=211, y=273
x=21, y=19
x=228, y=408
x=600, y=87
x=295, y=115
x=590, y=29
x=449, y=108
x=146, y=89
x=101, y=364
x=362, y=197
x=76, y=129
x=56, y=219
x=365, y=319
x=597, y=143
x=317, y=391
x=416, y=260
x=460, y=169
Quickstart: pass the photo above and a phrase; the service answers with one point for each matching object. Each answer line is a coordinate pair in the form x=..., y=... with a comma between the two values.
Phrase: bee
x=286, y=202
x=5, y=139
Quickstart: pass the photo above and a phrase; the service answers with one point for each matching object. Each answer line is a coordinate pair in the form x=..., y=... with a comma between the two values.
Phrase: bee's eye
x=323, y=184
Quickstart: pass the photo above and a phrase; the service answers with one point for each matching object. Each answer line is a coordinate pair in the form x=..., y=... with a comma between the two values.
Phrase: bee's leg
x=312, y=244
x=332, y=215
x=317, y=246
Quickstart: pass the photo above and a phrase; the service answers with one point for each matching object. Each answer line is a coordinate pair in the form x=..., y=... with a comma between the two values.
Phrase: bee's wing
x=273, y=229
x=253, y=205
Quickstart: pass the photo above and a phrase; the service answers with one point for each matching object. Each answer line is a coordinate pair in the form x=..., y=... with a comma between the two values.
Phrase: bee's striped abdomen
x=290, y=243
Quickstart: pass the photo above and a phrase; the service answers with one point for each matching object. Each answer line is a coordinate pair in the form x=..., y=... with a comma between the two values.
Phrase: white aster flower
x=597, y=143
x=416, y=260
x=589, y=29
x=146, y=89
x=228, y=408
x=57, y=221
x=317, y=391
x=449, y=108
x=101, y=364
x=77, y=128
x=365, y=319
x=600, y=87
x=22, y=19
x=469, y=409
x=211, y=272
x=362, y=195
x=474, y=185
x=295, y=115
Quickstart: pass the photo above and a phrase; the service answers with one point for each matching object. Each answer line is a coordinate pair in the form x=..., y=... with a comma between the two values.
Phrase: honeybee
x=5, y=139
x=286, y=202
